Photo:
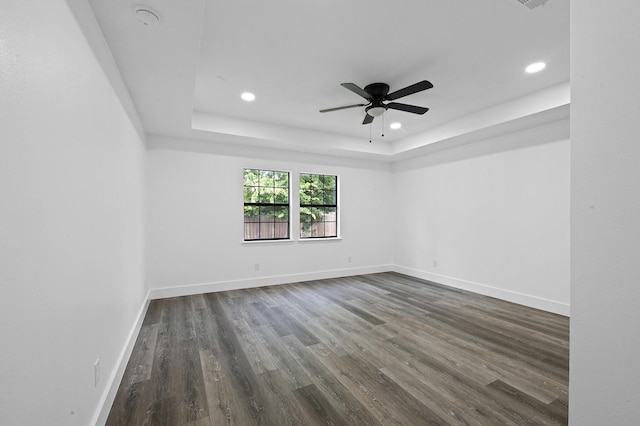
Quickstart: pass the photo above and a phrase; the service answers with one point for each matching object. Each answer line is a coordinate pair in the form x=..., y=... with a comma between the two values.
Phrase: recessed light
x=395, y=126
x=536, y=67
x=248, y=96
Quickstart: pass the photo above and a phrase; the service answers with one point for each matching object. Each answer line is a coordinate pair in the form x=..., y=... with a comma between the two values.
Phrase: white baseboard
x=486, y=290
x=111, y=388
x=499, y=293
x=190, y=289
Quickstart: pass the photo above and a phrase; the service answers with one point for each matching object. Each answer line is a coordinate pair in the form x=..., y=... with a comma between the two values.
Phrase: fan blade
x=409, y=90
x=344, y=107
x=408, y=108
x=357, y=90
x=367, y=119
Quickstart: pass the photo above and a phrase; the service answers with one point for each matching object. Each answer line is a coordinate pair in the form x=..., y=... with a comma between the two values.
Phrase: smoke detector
x=531, y=4
x=146, y=16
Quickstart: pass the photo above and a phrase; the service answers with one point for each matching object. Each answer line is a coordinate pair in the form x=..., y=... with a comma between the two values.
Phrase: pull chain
x=371, y=125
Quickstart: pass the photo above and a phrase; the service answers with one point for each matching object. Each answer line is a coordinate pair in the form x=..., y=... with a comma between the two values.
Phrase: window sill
x=290, y=241
x=316, y=240
x=260, y=242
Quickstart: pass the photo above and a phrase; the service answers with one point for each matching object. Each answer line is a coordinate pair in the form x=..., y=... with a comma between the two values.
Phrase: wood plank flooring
x=380, y=349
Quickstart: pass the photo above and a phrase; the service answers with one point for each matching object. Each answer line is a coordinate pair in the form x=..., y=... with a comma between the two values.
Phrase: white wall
x=605, y=212
x=491, y=217
x=71, y=209
x=195, y=224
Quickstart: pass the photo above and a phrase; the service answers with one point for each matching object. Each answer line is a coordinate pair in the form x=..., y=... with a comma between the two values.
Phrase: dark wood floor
x=367, y=350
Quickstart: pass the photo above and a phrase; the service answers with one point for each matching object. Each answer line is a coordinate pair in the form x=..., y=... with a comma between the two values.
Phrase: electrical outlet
x=256, y=267
x=435, y=263
x=96, y=372
x=349, y=259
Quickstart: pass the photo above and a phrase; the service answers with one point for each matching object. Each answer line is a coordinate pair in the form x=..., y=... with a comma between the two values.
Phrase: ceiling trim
x=547, y=105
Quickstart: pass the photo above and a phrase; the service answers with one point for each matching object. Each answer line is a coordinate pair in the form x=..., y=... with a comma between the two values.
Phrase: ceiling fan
x=377, y=93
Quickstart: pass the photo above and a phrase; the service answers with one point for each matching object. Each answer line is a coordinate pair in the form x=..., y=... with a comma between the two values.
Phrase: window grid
x=266, y=205
x=318, y=206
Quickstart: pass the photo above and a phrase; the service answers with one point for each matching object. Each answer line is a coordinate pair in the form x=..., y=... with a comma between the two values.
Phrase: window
x=266, y=205
x=318, y=206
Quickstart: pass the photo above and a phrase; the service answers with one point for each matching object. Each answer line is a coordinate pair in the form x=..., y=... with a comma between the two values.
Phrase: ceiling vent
x=531, y=4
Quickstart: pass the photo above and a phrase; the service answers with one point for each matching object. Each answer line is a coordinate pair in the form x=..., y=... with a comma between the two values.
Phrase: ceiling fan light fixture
x=376, y=111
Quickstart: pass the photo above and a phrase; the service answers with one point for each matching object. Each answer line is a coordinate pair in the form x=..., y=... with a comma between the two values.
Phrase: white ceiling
x=185, y=74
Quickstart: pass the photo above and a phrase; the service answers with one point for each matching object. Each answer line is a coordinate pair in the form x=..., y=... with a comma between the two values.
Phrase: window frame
x=334, y=206
x=262, y=204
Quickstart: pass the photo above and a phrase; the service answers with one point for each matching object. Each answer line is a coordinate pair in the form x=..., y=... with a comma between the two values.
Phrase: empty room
x=368, y=212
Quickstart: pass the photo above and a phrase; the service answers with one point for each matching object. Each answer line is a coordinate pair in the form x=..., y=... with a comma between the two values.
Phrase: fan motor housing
x=377, y=90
